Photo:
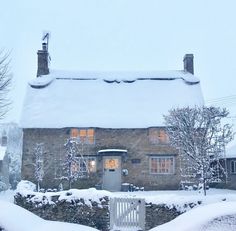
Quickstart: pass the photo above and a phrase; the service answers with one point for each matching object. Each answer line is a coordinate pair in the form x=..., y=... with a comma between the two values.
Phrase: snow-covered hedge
x=88, y=207
x=91, y=206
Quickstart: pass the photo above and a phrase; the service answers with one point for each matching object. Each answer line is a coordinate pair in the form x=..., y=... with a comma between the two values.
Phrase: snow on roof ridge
x=113, y=76
x=125, y=75
x=41, y=81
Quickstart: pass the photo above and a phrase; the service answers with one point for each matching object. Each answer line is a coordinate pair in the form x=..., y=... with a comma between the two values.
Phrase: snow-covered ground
x=219, y=216
x=7, y=195
x=15, y=218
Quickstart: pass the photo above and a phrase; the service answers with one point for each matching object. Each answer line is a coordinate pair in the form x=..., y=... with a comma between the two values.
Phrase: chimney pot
x=44, y=46
x=188, y=63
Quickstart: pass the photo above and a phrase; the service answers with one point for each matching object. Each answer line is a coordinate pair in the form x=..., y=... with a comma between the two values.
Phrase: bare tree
x=38, y=171
x=75, y=165
x=5, y=82
x=200, y=136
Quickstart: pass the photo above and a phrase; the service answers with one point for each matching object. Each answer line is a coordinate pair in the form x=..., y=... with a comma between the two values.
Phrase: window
x=74, y=132
x=111, y=163
x=233, y=166
x=84, y=165
x=157, y=136
x=4, y=139
x=84, y=135
x=161, y=165
x=135, y=161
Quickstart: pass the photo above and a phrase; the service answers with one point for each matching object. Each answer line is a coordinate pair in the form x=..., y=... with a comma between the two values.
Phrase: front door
x=112, y=173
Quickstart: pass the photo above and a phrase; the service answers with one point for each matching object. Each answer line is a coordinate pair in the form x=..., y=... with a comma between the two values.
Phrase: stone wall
x=95, y=214
x=158, y=214
x=135, y=141
x=77, y=211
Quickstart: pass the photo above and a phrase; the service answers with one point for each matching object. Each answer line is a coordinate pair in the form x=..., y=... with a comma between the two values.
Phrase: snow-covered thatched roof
x=107, y=99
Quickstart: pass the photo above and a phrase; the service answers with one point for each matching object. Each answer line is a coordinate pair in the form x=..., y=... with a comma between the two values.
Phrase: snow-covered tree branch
x=75, y=165
x=5, y=82
x=39, y=171
x=200, y=137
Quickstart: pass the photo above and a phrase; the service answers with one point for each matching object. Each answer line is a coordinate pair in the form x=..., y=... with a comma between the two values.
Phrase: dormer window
x=83, y=135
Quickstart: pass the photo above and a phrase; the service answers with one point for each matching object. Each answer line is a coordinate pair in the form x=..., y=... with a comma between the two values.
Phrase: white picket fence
x=127, y=214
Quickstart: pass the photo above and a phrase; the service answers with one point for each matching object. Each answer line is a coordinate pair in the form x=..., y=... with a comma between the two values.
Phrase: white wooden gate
x=127, y=213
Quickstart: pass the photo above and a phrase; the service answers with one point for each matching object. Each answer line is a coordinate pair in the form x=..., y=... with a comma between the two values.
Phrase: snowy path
x=7, y=195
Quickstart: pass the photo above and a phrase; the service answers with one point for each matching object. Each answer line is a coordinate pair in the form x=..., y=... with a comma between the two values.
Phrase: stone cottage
x=116, y=116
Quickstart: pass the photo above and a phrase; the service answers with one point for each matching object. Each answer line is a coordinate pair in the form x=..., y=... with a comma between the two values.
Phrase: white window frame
x=161, y=157
x=234, y=166
x=86, y=159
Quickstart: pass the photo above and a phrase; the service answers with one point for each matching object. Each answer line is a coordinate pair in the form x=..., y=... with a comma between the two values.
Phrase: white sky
x=123, y=35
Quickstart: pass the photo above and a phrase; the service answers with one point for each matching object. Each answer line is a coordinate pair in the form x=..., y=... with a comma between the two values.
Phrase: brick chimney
x=43, y=60
x=188, y=63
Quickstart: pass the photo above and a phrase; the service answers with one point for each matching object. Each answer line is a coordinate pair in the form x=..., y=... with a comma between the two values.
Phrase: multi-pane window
x=135, y=161
x=84, y=165
x=84, y=135
x=162, y=165
x=233, y=166
x=112, y=163
x=157, y=136
x=4, y=141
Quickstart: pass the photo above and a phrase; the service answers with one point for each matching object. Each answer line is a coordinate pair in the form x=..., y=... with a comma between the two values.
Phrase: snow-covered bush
x=25, y=185
x=38, y=165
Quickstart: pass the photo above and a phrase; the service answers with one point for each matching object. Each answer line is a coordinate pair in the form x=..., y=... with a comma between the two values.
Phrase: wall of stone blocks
x=96, y=215
x=135, y=141
x=77, y=211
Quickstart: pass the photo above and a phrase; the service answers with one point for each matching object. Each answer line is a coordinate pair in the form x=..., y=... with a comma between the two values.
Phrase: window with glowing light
x=161, y=165
x=157, y=136
x=84, y=165
x=84, y=135
x=111, y=163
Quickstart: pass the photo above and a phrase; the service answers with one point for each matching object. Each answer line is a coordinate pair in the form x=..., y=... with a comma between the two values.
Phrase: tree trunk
x=204, y=186
x=38, y=186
